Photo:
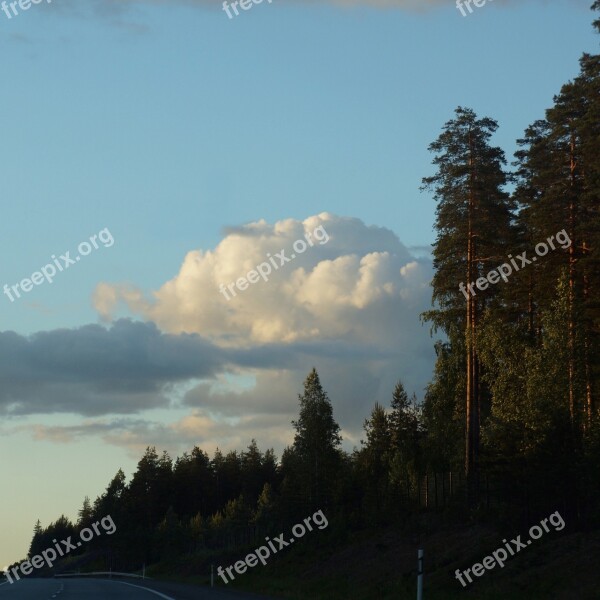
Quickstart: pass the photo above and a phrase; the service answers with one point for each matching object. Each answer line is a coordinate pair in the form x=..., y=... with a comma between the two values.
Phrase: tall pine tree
x=474, y=234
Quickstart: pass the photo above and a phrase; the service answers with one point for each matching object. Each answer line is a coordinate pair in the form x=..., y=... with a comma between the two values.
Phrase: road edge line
x=145, y=588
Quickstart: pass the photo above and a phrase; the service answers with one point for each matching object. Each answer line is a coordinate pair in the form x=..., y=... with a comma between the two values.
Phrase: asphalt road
x=103, y=589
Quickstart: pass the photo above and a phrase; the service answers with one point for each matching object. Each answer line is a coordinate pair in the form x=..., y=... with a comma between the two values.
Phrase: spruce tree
x=374, y=462
x=317, y=441
x=37, y=542
x=405, y=423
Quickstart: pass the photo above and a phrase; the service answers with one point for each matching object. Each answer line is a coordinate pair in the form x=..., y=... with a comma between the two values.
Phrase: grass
x=381, y=565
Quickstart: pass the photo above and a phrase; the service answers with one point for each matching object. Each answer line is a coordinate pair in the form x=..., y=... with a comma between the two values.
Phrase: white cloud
x=326, y=292
x=349, y=306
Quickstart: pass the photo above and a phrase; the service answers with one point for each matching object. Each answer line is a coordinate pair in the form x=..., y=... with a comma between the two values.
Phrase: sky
x=196, y=147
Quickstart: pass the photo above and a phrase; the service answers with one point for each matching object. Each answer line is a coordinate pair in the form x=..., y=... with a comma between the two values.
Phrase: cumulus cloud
x=333, y=291
x=349, y=306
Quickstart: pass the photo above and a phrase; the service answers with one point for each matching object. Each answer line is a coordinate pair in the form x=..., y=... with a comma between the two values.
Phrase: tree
x=317, y=441
x=198, y=528
x=473, y=221
x=374, y=461
x=171, y=538
x=37, y=543
x=147, y=499
x=264, y=514
x=85, y=513
x=559, y=190
x=405, y=423
x=194, y=484
x=443, y=410
x=529, y=451
x=252, y=472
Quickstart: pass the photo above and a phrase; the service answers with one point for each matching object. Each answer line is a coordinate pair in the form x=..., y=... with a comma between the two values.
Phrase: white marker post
x=420, y=575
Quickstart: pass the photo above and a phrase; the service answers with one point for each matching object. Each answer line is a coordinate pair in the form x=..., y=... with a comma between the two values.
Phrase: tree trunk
x=472, y=383
x=572, y=408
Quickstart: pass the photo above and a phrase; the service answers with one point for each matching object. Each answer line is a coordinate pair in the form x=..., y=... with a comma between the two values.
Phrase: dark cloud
x=129, y=367
x=93, y=370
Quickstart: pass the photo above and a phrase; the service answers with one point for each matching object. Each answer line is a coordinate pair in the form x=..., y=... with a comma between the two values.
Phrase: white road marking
x=147, y=589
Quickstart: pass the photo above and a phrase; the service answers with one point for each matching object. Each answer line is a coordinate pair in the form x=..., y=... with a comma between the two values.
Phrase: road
x=103, y=589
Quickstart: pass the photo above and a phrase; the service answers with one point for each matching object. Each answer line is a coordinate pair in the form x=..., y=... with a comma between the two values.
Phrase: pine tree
x=474, y=233
x=559, y=189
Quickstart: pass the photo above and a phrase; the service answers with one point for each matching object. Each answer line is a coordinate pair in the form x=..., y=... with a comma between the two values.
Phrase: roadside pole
x=420, y=575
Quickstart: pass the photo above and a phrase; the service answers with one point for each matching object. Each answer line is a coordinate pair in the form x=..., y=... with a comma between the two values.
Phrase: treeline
x=196, y=503
x=513, y=403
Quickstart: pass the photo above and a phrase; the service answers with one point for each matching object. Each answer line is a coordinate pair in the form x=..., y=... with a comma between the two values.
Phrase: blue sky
x=169, y=123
